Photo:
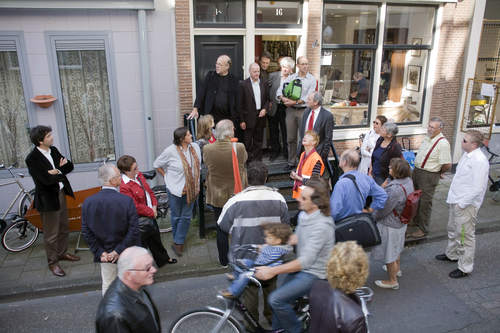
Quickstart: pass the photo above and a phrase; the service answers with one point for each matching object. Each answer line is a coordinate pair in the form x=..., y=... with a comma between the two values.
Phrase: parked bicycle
x=495, y=184
x=160, y=192
x=20, y=233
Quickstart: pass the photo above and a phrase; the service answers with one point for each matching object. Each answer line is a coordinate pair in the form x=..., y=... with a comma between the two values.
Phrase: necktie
x=311, y=121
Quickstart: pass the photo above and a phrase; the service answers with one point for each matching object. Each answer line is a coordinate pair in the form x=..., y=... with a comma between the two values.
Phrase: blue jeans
x=240, y=281
x=180, y=216
x=282, y=299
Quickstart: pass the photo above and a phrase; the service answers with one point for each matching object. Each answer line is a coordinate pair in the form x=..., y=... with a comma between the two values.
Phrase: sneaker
x=457, y=274
x=398, y=274
x=381, y=284
x=226, y=293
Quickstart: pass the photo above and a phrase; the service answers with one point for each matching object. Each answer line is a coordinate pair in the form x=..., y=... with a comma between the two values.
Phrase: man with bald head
x=254, y=103
x=348, y=199
x=218, y=94
x=127, y=306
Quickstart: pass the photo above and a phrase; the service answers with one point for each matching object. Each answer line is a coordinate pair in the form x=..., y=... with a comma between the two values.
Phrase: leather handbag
x=147, y=225
x=361, y=227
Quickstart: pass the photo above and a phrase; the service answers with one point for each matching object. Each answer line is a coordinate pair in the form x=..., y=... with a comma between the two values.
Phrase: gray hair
x=106, y=172
x=351, y=157
x=128, y=259
x=317, y=97
x=287, y=62
x=437, y=120
x=391, y=128
x=253, y=64
x=224, y=129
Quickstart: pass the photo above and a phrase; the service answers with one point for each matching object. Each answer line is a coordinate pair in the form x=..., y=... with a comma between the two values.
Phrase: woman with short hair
x=386, y=148
x=392, y=231
x=335, y=307
x=180, y=165
x=369, y=142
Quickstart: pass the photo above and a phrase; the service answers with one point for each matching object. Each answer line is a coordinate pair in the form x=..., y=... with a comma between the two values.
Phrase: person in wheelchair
x=270, y=254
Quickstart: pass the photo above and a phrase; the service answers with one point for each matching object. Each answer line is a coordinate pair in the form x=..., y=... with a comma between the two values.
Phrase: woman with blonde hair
x=204, y=131
x=335, y=307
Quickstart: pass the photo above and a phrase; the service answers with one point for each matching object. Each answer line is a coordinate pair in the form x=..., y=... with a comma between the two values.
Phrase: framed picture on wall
x=416, y=41
x=413, y=80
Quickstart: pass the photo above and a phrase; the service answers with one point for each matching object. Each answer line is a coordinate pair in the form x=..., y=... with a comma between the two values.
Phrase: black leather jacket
x=121, y=310
x=333, y=311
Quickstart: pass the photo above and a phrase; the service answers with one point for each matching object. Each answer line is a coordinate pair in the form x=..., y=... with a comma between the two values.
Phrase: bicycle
x=160, y=192
x=495, y=185
x=20, y=234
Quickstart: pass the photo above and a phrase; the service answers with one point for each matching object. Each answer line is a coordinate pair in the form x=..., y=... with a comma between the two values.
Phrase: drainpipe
x=146, y=87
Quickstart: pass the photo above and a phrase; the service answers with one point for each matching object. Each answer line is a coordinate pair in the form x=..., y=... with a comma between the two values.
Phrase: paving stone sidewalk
x=25, y=274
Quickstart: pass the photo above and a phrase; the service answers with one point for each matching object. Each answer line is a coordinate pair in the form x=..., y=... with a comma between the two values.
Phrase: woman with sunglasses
x=369, y=143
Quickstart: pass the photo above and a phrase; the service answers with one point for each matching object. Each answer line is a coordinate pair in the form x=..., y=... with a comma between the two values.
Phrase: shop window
x=208, y=13
x=409, y=25
x=14, y=124
x=85, y=88
x=278, y=14
x=349, y=24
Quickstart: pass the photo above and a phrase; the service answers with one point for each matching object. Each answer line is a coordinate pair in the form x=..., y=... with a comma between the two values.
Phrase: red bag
x=411, y=206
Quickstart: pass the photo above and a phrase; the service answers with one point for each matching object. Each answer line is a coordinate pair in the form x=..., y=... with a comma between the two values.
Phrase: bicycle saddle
x=149, y=174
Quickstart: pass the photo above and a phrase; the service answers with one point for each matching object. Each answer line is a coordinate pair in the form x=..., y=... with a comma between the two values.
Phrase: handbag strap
x=430, y=151
x=353, y=179
x=142, y=186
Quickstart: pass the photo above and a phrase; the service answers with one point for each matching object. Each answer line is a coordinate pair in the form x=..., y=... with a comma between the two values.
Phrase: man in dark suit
x=109, y=223
x=254, y=103
x=48, y=168
x=320, y=120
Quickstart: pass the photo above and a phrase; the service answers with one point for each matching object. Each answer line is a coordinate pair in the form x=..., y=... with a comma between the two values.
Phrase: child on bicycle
x=270, y=254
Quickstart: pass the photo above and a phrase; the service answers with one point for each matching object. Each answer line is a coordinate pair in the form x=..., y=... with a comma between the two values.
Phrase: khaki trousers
x=108, y=273
x=462, y=236
x=55, y=226
x=293, y=122
x=427, y=182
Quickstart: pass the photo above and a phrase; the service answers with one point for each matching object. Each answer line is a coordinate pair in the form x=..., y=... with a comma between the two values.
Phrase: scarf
x=303, y=160
x=192, y=186
x=236, y=169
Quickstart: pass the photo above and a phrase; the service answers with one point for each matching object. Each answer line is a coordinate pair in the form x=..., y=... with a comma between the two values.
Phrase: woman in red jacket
x=135, y=186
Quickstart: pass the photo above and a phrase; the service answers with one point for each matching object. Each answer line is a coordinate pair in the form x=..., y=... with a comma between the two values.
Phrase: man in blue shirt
x=346, y=199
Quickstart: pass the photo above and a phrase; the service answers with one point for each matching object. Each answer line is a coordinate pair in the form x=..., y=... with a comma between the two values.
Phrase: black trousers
x=222, y=239
x=277, y=127
x=152, y=241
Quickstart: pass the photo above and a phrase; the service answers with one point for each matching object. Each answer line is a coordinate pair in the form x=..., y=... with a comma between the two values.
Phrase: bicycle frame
x=22, y=191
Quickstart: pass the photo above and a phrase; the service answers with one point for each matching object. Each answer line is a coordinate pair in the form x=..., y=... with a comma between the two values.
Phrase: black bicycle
x=160, y=192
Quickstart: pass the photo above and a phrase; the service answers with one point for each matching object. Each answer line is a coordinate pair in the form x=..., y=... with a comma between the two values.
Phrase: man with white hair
x=127, y=306
x=109, y=223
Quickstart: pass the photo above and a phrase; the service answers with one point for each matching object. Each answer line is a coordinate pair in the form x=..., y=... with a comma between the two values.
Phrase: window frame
x=220, y=25
x=18, y=38
x=85, y=37
x=282, y=26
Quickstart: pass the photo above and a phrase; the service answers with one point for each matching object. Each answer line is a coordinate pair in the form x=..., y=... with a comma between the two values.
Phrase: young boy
x=276, y=237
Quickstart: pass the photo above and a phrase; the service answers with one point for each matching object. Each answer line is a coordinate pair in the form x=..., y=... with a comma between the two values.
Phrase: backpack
x=411, y=206
x=293, y=90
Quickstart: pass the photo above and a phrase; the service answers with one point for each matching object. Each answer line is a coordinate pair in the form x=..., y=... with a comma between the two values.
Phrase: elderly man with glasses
x=432, y=160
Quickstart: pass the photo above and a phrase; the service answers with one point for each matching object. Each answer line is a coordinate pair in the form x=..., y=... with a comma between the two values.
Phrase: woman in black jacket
x=385, y=149
x=334, y=305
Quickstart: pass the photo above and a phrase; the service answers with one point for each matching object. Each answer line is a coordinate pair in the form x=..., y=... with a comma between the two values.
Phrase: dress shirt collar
x=45, y=152
x=255, y=82
x=105, y=187
x=126, y=179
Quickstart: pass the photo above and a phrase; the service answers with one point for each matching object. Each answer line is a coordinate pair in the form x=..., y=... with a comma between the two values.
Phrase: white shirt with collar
x=256, y=93
x=105, y=187
x=316, y=114
x=470, y=181
x=127, y=179
x=47, y=155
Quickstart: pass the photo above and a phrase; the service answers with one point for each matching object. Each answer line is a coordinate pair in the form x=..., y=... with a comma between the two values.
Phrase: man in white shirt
x=465, y=197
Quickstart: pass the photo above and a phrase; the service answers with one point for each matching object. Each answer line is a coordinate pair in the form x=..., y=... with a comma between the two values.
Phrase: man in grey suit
x=319, y=119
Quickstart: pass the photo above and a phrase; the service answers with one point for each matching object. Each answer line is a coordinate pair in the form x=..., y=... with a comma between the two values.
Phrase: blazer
x=47, y=185
x=248, y=110
x=123, y=310
x=274, y=81
x=135, y=191
x=109, y=222
x=391, y=151
x=220, y=179
x=324, y=127
x=205, y=97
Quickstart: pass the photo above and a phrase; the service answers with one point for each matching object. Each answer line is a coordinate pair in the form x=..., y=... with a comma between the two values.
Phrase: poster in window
x=413, y=80
x=416, y=41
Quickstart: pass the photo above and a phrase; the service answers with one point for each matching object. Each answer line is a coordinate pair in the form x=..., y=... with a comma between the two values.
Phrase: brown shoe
x=69, y=257
x=57, y=270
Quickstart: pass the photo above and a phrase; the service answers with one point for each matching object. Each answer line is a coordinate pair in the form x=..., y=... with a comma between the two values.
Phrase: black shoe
x=443, y=257
x=457, y=274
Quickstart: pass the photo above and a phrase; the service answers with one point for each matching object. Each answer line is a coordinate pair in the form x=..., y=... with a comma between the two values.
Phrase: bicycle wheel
x=19, y=236
x=204, y=320
x=163, y=217
x=25, y=203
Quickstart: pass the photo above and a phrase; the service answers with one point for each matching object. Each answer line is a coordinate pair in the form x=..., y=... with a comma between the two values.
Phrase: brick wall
x=184, y=66
x=313, y=37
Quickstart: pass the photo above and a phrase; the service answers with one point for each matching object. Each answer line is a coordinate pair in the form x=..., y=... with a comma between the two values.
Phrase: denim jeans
x=282, y=299
x=240, y=280
x=180, y=216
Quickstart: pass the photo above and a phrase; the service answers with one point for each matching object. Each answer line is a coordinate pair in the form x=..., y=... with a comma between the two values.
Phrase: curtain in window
x=87, y=109
x=14, y=138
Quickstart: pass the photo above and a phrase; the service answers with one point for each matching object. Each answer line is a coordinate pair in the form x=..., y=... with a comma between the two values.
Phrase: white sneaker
x=398, y=274
x=381, y=284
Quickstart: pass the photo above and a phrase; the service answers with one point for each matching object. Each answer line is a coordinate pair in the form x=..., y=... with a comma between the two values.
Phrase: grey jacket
x=396, y=199
x=316, y=239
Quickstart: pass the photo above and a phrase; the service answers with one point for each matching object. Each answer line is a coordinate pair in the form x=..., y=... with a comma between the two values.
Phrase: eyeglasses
x=376, y=122
x=147, y=269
